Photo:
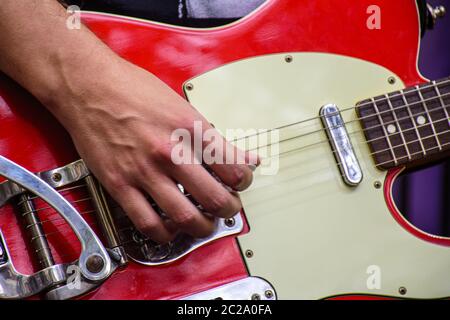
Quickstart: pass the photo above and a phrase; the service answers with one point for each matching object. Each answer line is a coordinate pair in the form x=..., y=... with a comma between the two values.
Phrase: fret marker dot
x=421, y=120
x=391, y=128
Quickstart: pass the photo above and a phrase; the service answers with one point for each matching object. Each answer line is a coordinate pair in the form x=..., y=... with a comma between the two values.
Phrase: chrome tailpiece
x=92, y=267
x=122, y=239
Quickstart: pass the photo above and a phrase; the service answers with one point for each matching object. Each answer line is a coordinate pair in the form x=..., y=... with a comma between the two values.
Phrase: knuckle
x=238, y=176
x=148, y=227
x=116, y=185
x=163, y=153
x=220, y=203
x=185, y=218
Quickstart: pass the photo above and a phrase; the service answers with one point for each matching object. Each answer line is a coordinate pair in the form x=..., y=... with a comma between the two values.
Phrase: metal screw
x=377, y=184
x=56, y=177
x=95, y=263
x=189, y=87
x=288, y=58
x=391, y=80
x=439, y=11
x=256, y=297
x=229, y=222
x=268, y=294
x=249, y=253
x=402, y=290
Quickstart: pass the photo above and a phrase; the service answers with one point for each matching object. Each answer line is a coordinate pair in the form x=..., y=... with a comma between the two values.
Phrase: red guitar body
x=31, y=137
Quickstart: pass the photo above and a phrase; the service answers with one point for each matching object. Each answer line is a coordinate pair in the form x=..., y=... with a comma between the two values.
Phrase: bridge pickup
x=341, y=145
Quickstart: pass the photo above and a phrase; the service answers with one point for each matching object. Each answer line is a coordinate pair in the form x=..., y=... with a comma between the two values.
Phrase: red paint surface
x=31, y=137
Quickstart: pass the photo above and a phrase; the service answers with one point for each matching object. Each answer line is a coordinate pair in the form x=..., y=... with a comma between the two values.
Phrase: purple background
x=424, y=195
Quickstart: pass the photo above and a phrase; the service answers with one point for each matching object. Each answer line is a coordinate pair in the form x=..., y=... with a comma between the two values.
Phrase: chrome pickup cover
x=341, y=145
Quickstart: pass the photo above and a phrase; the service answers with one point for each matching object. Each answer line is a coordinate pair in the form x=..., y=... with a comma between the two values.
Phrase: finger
x=232, y=165
x=178, y=208
x=206, y=190
x=143, y=216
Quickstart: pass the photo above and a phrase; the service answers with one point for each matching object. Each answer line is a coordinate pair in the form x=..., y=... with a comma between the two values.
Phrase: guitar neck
x=408, y=126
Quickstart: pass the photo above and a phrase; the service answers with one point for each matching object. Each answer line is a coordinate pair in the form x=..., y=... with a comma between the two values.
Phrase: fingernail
x=252, y=167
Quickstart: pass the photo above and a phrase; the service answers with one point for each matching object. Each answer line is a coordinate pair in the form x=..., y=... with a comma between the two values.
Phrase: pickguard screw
x=402, y=290
x=288, y=58
x=256, y=297
x=249, y=253
x=56, y=177
x=95, y=264
x=391, y=80
x=377, y=184
x=268, y=294
x=189, y=87
x=229, y=222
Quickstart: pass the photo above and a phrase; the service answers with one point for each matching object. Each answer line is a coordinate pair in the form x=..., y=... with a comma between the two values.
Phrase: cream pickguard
x=311, y=235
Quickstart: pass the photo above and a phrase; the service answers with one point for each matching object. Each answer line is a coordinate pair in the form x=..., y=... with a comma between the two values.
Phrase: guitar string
x=358, y=119
x=386, y=98
x=130, y=228
x=365, y=129
x=363, y=142
x=368, y=128
x=340, y=164
x=368, y=141
x=59, y=190
x=289, y=151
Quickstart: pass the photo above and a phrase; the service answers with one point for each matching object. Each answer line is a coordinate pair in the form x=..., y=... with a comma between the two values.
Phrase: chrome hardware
x=434, y=13
x=35, y=231
x=341, y=145
x=14, y=285
x=56, y=178
x=105, y=220
x=146, y=252
x=245, y=289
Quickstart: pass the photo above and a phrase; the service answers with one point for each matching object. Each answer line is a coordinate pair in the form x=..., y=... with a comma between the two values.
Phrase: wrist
x=74, y=85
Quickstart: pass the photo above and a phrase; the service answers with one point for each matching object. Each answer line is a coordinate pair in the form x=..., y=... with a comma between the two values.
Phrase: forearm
x=47, y=58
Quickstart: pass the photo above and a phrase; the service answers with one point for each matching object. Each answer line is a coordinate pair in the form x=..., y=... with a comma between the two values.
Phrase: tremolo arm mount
x=94, y=263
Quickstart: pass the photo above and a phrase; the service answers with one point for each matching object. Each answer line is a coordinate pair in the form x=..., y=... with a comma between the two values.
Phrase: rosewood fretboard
x=407, y=125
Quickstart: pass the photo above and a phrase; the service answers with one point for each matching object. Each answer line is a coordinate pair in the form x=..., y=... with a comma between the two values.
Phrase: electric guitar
x=351, y=111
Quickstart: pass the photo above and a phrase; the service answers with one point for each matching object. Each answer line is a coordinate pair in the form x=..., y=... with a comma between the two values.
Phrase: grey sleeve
x=204, y=9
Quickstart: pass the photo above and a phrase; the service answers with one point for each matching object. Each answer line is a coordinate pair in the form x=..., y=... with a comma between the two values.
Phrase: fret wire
x=425, y=138
x=427, y=112
x=348, y=122
x=350, y=133
x=413, y=122
x=386, y=162
x=394, y=158
x=399, y=126
x=407, y=130
x=436, y=88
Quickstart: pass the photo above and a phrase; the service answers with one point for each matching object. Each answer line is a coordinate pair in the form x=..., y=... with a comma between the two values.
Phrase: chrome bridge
x=341, y=145
x=97, y=261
